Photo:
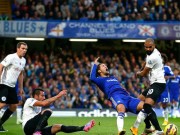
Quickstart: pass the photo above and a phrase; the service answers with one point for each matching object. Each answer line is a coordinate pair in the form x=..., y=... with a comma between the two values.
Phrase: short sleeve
x=7, y=60
x=31, y=102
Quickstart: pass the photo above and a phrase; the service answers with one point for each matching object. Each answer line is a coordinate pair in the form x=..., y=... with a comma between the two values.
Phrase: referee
x=11, y=70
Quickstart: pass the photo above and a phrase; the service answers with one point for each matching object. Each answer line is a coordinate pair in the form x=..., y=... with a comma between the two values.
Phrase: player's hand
x=62, y=93
x=21, y=92
x=96, y=61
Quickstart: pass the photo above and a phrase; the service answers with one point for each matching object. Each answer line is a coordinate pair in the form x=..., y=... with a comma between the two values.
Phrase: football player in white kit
x=11, y=70
x=153, y=68
x=35, y=120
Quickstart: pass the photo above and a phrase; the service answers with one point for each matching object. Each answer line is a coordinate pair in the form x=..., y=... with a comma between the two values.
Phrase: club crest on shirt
x=149, y=62
x=150, y=91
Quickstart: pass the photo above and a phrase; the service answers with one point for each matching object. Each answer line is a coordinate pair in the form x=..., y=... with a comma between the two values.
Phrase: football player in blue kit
x=174, y=89
x=119, y=97
x=164, y=99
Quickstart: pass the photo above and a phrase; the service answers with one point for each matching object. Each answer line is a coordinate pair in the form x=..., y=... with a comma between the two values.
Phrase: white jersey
x=155, y=62
x=13, y=65
x=29, y=111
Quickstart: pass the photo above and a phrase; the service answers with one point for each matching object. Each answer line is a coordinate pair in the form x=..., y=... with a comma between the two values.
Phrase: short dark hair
x=98, y=67
x=150, y=40
x=165, y=58
x=20, y=43
x=37, y=91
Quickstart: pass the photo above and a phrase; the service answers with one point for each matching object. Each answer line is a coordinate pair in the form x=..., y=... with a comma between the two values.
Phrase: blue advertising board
x=100, y=30
x=23, y=28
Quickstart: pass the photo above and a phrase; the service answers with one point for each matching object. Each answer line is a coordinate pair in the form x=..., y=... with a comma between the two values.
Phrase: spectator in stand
x=116, y=18
x=90, y=13
x=79, y=10
x=40, y=8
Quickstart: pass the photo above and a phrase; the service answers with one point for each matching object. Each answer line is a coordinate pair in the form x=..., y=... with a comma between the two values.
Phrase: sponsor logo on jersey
x=150, y=91
x=112, y=80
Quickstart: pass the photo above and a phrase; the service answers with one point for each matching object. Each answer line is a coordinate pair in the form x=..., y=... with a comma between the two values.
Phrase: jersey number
x=165, y=100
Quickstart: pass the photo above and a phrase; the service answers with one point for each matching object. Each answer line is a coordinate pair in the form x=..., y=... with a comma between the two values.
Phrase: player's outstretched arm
x=50, y=100
x=96, y=61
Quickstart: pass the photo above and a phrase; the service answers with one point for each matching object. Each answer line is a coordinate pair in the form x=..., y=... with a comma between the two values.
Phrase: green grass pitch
x=104, y=125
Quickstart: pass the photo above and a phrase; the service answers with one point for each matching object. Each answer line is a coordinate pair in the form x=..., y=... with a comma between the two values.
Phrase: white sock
x=175, y=108
x=140, y=117
x=166, y=114
x=120, y=121
x=19, y=113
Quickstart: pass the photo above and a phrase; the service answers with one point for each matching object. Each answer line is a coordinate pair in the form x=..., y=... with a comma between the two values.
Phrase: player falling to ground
x=174, y=89
x=11, y=70
x=119, y=97
x=153, y=68
x=164, y=99
x=35, y=121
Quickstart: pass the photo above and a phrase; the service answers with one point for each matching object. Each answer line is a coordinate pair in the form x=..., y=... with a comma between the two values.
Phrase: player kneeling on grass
x=35, y=120
x=119, y=97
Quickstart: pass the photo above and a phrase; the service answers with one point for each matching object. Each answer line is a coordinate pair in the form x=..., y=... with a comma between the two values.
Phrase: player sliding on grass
x=35, y=120
x=120, y=98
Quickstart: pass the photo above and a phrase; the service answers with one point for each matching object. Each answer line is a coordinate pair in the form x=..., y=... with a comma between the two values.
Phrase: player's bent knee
x=12, y=107
x=147, y=108
x=56, y=128
x=47, y=110
x=120, y=108
x=140, y=106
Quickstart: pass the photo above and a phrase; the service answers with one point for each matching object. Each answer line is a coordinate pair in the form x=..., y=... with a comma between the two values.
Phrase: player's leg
x=3, y=118
x=42, y=121
x=8, y=96
x=2, y=111
x=19, y=107
x=175, y=100
x=154, y=92
x=19, y=112
x=52, y=130
x=164, y=100
x=119, y=104
x=135, y=106
x=120, y=118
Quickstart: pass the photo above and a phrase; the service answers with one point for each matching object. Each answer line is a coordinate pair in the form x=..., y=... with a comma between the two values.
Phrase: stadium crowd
x=56, y=70
x=99, y=10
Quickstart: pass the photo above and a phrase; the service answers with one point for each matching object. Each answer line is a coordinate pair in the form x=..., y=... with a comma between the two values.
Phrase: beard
x=149, y=52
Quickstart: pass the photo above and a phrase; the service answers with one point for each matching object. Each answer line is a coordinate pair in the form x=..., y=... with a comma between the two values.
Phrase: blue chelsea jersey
x=108, y=85
x=174, y=84
x=168, y=71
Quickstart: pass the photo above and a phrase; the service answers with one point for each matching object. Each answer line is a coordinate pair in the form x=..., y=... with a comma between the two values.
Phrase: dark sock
x=5, y=116
x=70, y=129
x=43, y=121
x=152, y=116
x=147, y=122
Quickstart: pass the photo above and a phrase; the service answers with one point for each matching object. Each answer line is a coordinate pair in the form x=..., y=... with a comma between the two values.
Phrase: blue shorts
x=174, y=95
x=164, y=97
x=129, y=102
